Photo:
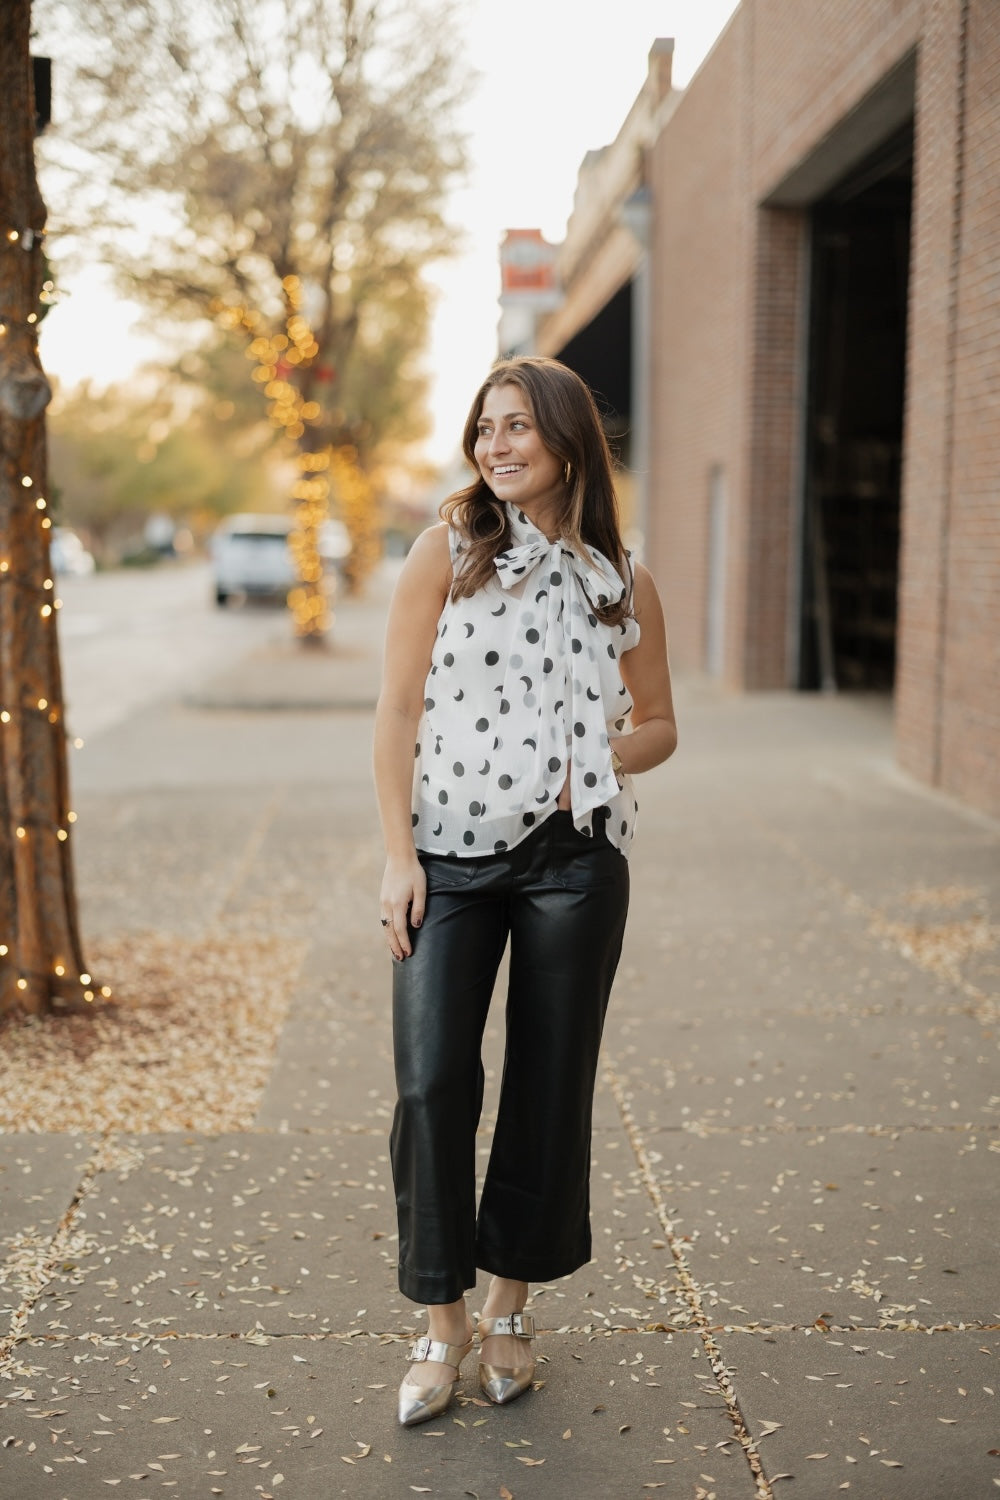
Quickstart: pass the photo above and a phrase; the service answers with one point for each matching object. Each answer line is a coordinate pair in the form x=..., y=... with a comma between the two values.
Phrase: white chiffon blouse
x=524, y=686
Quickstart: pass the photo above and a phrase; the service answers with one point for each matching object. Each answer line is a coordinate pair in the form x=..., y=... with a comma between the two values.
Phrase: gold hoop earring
x=567, y=472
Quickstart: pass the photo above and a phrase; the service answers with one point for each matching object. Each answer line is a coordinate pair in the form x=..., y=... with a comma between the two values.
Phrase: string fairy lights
x=23, y=238
x=41, y=964
x=278, y=358
x=14, y=717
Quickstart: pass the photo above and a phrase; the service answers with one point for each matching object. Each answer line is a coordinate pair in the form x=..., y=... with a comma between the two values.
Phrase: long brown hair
x=569, y=425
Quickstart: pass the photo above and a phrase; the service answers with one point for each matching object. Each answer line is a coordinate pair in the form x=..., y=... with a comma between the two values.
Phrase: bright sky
x=556, y=79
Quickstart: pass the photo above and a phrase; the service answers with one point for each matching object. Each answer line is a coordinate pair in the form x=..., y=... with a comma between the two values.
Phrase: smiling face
x=512, y=458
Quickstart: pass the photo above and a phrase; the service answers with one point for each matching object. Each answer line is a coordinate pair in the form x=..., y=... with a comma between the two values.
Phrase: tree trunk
x=41, y=964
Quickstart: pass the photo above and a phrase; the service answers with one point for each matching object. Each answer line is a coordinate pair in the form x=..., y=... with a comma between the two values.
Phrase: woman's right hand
x=402, y=900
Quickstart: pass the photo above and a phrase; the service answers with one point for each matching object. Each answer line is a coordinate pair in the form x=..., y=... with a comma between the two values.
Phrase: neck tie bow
x=552, y=720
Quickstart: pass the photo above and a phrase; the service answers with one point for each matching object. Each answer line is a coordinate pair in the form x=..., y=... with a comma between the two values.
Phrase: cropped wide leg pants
x=561, y=898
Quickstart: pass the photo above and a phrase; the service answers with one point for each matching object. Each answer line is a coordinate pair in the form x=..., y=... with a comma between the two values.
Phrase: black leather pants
x=562, y=899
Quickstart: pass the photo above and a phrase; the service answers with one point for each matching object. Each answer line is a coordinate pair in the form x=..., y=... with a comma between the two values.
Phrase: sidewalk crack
x=34, y=1261
x=690, y=1290
x=250, y=851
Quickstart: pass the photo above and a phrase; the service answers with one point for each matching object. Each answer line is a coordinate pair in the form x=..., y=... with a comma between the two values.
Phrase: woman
x=526, y=680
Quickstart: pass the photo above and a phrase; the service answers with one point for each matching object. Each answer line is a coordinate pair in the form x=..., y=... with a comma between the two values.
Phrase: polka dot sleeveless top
x=524, y=687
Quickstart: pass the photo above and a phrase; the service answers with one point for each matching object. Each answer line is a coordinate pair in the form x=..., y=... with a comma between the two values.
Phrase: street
x=793, y=1290
x=132, y=635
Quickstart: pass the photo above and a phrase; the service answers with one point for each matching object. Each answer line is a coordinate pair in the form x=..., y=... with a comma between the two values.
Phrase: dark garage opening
x=601, y=354
x=854, y=429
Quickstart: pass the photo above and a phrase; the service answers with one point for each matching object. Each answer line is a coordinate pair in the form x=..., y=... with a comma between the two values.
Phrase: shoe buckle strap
x=425, y=1348
x=520, y=1325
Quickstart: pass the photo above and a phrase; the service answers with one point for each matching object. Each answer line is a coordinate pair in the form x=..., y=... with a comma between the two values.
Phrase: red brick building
x=814, y=390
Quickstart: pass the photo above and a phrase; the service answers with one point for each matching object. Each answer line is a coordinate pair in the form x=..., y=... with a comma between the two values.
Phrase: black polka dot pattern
x=532, y=669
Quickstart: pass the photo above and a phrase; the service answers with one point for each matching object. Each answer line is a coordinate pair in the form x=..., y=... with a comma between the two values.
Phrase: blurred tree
x=293, y=156
x=117, y=456
x=216, y=369
x=41, y=962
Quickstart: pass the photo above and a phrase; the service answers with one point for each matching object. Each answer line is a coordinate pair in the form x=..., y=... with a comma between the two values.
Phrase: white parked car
x=250, y=555
x=334, y=543
x=68, y=555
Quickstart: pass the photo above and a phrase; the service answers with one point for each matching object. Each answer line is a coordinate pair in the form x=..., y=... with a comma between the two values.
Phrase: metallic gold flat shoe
x=499, y=1383
x=419, y=1403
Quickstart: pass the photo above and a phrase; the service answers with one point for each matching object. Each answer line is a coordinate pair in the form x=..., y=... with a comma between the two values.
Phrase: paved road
x=136, y=635
x=793, y=1292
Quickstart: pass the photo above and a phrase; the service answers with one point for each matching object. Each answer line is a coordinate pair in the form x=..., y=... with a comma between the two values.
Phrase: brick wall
x=929, y=396
x=812, y=63
x=948, y=680
x=727, y=380
x=698, y=275
x=771, y=508
x=969, y=726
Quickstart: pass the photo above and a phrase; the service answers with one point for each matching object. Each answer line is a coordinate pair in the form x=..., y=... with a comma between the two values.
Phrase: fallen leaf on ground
x=148, y=1062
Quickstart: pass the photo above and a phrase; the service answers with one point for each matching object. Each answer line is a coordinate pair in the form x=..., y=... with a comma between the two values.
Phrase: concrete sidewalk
x=794, y=1289
x=342, y=675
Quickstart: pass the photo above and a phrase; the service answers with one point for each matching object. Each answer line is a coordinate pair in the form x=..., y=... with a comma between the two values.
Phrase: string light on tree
x=41, y=962
x=276, y=357
x=51, y=712
x=358, y=507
